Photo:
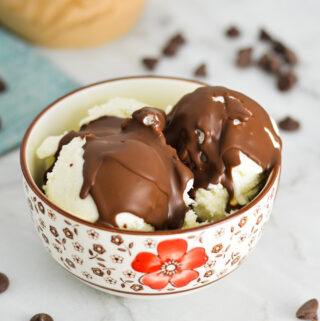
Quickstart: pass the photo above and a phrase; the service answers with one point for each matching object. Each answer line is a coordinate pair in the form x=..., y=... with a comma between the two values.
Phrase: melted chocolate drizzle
x=210, y=126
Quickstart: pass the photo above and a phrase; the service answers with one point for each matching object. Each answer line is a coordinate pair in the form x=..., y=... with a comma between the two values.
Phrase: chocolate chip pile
x=171, y=49
x=279, y=60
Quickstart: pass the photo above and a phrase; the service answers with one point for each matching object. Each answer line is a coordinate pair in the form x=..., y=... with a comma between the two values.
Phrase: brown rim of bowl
x=270, y=182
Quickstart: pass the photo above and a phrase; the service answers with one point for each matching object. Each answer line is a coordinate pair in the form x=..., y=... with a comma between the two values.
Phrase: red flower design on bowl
x=172, y=264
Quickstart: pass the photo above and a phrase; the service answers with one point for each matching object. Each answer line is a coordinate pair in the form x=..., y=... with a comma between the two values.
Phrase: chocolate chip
x=150, y=63
x=233, y=32
x=289, y=56
x=173, y=45
x=308, y=311
x=4, y=282
x=41, y=317
x=3, y=86
x=264, y=35
x=289, y=124
x=201, y=71
x=270, y=63
x=279, y=47
x=244, y=57
x=286, y=80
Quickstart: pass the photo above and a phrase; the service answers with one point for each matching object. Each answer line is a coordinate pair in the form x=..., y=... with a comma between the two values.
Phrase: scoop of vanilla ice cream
x=64, y=182
x=118, y=107
x=210, y=204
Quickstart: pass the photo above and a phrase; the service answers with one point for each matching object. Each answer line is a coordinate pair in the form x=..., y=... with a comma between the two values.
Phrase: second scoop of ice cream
x=230, y=144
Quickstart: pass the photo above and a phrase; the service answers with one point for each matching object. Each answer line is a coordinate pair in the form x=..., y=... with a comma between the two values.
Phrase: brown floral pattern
x=129, y=274
x=70, y=263
x=93, y=234
x=104, y=258
x=209, y=273
x=150, y=244
x=243, y=221
x=45, y=238
x=51, y=215
x=259, y=219
x=110, y=280
x=97, y=271
x=41, y=208
x=136, y=287
x=78, y=247
x=42, y=223
x=77, y=259
x=86, y=275
x=68, y=233
x=217, y=248
x=116, y=258
x=116, y=239
x=54, y=231
x=98, y=248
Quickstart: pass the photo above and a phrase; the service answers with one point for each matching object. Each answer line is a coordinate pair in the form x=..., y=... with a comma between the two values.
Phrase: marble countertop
x=283, y=271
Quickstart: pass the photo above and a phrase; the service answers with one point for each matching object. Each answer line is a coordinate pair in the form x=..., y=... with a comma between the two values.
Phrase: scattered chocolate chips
x=3, y=86
x=286, y=80
x=270, y=63
x=41, y=317
x=4, y=282
x=264, y=35
x=308, y=311
x=244, y=57
x=289, y=124
x=150, y=63
x=201, y=71
x=173, y=45
x=232, y=32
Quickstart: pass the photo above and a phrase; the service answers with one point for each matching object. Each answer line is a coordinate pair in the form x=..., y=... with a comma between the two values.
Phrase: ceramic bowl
x=136, y=264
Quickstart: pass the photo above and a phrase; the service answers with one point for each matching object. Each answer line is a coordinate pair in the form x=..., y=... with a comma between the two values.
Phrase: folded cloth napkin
x=32, y=84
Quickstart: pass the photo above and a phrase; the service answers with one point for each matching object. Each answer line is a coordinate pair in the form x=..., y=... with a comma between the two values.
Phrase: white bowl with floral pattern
x=136, y=264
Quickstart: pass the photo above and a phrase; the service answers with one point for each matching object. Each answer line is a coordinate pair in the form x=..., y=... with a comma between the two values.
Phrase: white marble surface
x=284, y=270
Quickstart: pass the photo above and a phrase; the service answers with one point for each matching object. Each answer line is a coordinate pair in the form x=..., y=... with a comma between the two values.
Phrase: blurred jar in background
x=70, y=23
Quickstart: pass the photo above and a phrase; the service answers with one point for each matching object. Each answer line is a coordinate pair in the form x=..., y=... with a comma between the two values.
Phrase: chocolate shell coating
x=210, y=126
x=129, y=168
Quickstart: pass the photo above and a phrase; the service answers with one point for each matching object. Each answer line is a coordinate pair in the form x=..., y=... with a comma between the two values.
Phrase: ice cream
x=229, y=142
x=135, y=167
x=120, y=172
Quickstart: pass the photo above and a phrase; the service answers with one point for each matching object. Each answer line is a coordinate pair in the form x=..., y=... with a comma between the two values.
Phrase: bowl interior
x=66, y=113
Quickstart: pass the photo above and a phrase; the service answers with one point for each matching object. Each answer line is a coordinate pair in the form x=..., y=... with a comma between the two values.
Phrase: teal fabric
x=33, y=83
